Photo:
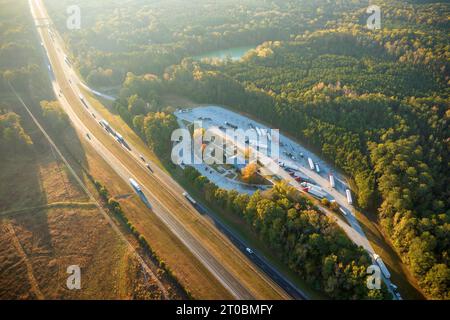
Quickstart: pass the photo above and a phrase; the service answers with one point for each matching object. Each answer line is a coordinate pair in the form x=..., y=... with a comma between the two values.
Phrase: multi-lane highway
x=237, y=272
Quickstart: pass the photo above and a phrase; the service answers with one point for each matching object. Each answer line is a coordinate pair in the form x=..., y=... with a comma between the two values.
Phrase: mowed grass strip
x=191, y=272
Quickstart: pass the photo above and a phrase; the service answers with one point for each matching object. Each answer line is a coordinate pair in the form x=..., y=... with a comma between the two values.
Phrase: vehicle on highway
x=190, y=199
x=343, y=211
x=67, y=61
x=142, y=157
x=382, y=266
x=93, y=115
x=107, y=127
x=83, y=101
x=135, y=185
x=88, y=136
x=249, y=251
x=149, y=167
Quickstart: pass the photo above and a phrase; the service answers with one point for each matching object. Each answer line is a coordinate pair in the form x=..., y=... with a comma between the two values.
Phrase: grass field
x=184, y=265
x=48, y=223
x=36, y=249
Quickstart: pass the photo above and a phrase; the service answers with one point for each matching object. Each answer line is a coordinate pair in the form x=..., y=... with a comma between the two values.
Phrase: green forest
x=311, y=244
x=20, y=65
x=375, y=103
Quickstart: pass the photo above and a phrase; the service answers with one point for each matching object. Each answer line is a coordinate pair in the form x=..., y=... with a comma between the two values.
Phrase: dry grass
x=47, y=223
x=34, y=258
x=191, y=273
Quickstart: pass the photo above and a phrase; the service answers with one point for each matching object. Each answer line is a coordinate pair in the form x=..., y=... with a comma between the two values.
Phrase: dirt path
x=88, y=205
x=33, y=282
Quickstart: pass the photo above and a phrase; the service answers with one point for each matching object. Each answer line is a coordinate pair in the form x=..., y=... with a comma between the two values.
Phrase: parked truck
x=332, y=184
x=311, y=164
x=349, y=196
x=313, y=190
x=317, y=168
x=382, y=266
x=231, y=125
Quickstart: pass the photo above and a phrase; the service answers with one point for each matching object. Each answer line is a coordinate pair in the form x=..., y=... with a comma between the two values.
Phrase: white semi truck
x=317, y=168
x=332, y=183
x=135, y=185
x=382, y=266
x=189, y=198
x=311, y=164
x=314, y=190
x=349, y=196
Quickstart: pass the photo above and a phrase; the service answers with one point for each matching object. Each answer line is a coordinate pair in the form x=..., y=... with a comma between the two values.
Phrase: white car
x=250, y=251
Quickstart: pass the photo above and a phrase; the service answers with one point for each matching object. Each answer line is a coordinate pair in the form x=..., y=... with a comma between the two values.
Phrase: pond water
x=233, y=53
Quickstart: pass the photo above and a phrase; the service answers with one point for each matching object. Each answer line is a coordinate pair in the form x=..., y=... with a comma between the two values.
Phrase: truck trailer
x=107, y=127
x=343, y=211
x=382, y=266
x=83, y=101
x=332, y=183
x=311, y=164
x=135, y=186
x=349, y=196
x=189, y=198
x=317, y=168
x=313, y=189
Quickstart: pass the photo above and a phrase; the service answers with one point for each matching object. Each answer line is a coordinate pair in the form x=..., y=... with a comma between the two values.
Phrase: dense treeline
x=139, y=104
x=13, y=137
x=157, y=129
x=363, y=134
x=55, y=116
x=308, y=242
x=395, y=147
x=20, y=59
x=142, y=37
